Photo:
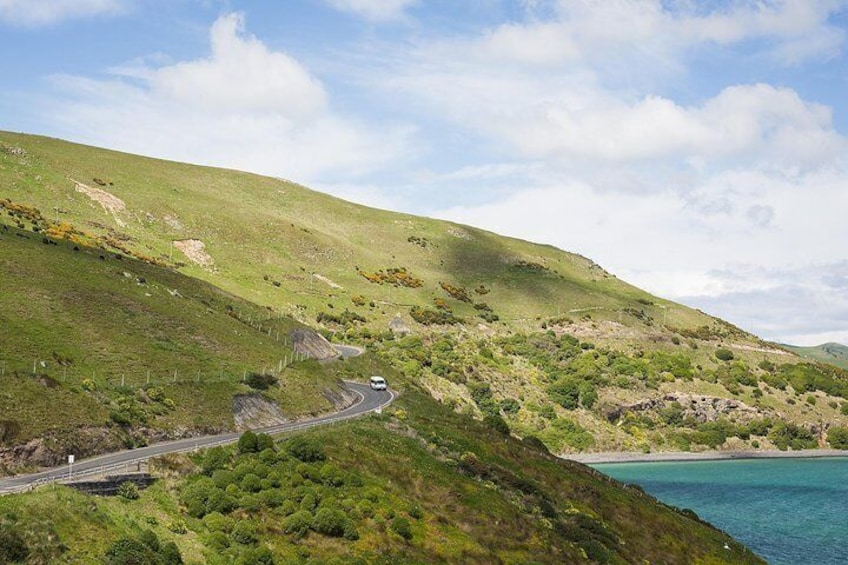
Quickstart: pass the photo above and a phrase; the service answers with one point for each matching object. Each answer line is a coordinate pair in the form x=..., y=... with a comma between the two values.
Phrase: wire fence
x=50, y=372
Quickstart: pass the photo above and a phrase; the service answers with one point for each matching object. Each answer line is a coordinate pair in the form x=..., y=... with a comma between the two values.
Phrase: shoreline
x=680, y=456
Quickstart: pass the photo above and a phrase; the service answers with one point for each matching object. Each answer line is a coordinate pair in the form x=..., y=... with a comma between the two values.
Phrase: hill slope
x=100, y=351
x=833, y=353
x=279, y=244
x=418, y=484
x=544, y=339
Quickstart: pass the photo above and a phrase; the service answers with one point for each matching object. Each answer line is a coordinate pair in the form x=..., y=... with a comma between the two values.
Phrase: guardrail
x=277, y=430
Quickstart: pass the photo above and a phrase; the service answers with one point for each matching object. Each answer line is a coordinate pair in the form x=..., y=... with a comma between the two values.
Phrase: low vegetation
x=416, y=485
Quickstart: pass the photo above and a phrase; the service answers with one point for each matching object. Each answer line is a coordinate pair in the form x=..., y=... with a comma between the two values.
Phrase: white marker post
x=70, y=467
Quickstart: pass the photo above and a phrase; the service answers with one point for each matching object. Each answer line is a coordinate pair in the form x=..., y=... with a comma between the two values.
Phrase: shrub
x=214, y=459
x=723, y=354
x=245, y=533
x=401, y=527
x=201, y=497
x=305, y=450
x=332, y=476
x=247, y=442
x=260, y=381
x=330, y=522
x=217, y=522
x=128, y=490
x=298, y=523
x=837, y=437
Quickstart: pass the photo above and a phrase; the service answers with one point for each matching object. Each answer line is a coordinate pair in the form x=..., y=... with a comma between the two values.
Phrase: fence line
x=48, y=367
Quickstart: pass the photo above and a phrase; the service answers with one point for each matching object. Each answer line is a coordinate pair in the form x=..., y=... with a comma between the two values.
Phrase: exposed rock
x=195, y=250
x=313, y=345
x=252, y=411
x=341, y=399
x=398, y=326
x=53, y=448
x=700, y=407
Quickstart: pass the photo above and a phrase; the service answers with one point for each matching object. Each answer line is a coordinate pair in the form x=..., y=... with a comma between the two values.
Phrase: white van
x=377, y=383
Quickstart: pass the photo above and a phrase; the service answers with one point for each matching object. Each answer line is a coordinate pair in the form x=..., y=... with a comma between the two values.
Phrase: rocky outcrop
x=313, y=345
x=341, y=398
x=398, y=327
x=700, y=407
x=251, y=411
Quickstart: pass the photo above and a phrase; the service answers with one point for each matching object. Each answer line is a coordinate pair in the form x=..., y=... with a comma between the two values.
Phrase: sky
x=695, y=148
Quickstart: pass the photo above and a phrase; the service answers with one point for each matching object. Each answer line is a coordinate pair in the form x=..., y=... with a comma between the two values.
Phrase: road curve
x=347, y=351
x=369, y=401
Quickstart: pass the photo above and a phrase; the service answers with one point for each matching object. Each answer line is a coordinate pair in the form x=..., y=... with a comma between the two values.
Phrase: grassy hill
x=543, y=338
x=281, y=245
x=419, y=484
x=833, y=353
x=101, y=351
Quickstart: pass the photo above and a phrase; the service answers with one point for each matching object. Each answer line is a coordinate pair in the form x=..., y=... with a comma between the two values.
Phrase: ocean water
x=788, y=511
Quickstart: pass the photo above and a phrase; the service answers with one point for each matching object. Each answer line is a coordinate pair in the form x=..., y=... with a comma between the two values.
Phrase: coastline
x=669, y=456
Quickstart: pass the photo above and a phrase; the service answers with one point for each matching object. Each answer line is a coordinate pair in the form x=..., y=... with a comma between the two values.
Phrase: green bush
x=217, y=522
x=247, y=443
x=128, y=490
x=214, y=459
x=259, y=381
x=298, y=523
x=305, y=449
x=201, y=497
x=837, y=437
x=332, y=476
x=401, y=527
x=244, y=532
x=330, y=522
x=724, y=354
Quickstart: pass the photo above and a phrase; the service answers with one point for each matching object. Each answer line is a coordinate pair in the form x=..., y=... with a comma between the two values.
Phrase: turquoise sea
x=788, y=511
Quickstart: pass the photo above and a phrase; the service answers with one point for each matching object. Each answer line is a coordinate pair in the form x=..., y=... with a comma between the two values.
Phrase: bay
x=788, y=511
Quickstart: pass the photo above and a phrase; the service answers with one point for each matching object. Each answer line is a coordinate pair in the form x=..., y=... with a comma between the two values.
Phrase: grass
x=269, y=237
x=88, y=333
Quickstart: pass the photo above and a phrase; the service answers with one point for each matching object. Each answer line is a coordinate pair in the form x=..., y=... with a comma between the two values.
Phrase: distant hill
x=833, y=353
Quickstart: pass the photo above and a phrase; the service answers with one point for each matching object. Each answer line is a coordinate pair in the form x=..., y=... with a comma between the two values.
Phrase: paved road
x=370, y=400
x=347, y=351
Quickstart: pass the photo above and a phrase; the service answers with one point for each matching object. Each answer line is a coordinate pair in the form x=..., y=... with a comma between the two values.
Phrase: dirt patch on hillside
x=327, y=281
x=195, y=250
x=111, y=204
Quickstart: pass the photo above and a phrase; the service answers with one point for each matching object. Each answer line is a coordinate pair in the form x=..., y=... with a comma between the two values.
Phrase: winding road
x=370, y=401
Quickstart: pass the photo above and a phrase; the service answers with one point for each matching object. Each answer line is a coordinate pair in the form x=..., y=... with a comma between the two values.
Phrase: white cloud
x=244, y=106
x=592, y=30
x=374, y=10
x=47, y=12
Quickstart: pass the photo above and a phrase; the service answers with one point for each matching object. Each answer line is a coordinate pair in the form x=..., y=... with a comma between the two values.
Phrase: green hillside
x=833, y=353
x=544, y=339
x=418, y=484
x=100, y=351
x=281, y=245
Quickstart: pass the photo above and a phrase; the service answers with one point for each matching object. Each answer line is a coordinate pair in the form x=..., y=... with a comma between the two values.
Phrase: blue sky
x=698, y=149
